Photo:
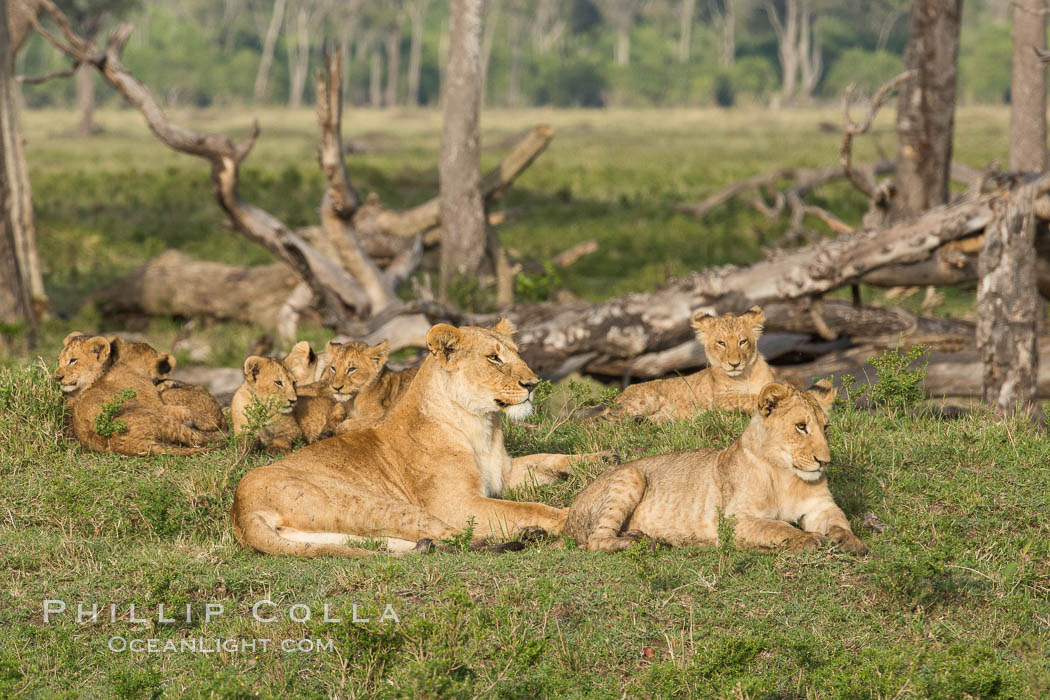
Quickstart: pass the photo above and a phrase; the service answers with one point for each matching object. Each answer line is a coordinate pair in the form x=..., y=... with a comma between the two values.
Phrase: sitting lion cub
x=735, y=374
x=377, y=387
x=773, y=474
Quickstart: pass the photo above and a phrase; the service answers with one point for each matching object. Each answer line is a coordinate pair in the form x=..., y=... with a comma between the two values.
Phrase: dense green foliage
x=201, y=53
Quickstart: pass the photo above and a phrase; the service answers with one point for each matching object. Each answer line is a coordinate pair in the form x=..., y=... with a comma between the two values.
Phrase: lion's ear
x=100, y=347
x=757, y=318
x=823, y=392
x=505, y=327
x=73, y=336
x=164, y=365
x=380, y=352
x=303, y=348
x=252, y=366
x=443, y=340
x=771, y=396
x=701, y=322
x=331, y=345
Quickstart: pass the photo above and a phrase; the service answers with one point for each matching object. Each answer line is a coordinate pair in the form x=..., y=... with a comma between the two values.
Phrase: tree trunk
x=787, y=32
x=85, y=78
x=16, y=306
x=1028, y=88
x=417, y=13
x=726, y=23
x=623, y=45
x=262, y=77
x=686, y=13
x=488, y=39
x=393, y=64
x=1007, y=305
x=515, y=28
x=462, y=210
x=926, y=111
x=299, y=59
x=811, y=60
x=375, y=80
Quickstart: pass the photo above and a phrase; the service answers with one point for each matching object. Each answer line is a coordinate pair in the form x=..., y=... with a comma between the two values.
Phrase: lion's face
x=486, y=374
x=731, y=342
x=796, y=425
x=353, y=366
x=82, y=361
x=270, y=379
x=141, y=358
x=302, y=362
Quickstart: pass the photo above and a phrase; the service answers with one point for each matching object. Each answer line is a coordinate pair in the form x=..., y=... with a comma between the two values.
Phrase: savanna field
x=953, y=599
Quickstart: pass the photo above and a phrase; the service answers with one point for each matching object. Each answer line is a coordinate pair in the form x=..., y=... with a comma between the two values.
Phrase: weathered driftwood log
x=174, y=284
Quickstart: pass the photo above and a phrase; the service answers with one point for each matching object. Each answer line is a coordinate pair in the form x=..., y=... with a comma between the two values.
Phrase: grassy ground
x=951, y=602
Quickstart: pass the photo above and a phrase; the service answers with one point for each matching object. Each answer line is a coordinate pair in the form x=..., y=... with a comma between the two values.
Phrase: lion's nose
x=734, y=365
x=529, y=384
x=337, y=389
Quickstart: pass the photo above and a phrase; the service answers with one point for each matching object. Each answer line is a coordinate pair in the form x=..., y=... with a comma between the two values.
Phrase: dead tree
x=462, y=209
x=262, y=76
x=1028, y=87
x=15, y=294
x=926, y=110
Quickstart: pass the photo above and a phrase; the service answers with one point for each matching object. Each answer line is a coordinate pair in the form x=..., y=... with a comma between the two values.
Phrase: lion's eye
x=800, y=427
x=73, y=361
x=721, y=343
x=494, y=359
x=744, y=341
x=279, y=383
x=332, y=369
x=351, y=370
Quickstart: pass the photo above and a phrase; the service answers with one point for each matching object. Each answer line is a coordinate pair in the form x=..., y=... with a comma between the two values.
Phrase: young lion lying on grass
x=773, y=474
x=735, y=374
x=92, y=379
x=434, y=464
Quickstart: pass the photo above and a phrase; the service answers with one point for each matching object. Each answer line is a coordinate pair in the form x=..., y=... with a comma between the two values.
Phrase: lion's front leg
x=828, y=519
x=768, y=533
x=493, y=517
x=544, y=468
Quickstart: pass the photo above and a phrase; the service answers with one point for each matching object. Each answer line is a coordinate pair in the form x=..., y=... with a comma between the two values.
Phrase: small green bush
x=898, y=387
x=106, y=422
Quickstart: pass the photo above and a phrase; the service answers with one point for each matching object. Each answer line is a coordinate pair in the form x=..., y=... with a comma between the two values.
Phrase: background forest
x=589, y=53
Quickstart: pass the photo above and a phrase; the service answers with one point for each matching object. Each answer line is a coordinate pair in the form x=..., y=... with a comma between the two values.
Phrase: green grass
x=952, y=600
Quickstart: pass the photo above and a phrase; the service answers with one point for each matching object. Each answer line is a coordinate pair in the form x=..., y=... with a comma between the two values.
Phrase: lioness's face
x=796, y=424
x=353, y=366
x=486, y=371
x=731, y=342
x=141, y=358
x=82, y=361
x=268, y=378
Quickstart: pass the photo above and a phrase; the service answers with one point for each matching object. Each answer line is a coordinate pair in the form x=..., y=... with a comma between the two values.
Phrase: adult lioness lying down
x=435, y=461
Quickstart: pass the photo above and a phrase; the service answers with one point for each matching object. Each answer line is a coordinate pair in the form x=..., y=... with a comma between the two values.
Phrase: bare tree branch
x=852, y=129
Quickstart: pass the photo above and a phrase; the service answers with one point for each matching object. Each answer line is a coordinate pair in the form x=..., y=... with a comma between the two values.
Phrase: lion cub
x=735, y=374
x=377, y=387
x=267, y=379
x=772, y=475
x=90, y=377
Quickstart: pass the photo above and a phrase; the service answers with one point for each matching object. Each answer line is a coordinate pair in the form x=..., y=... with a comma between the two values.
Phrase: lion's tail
x=254, y=532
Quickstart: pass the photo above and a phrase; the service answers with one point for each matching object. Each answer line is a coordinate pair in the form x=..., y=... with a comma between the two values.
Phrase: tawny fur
x=90, y=378
x=267, y=379
x=432, y=463
x=771, y=476
x=734, y=377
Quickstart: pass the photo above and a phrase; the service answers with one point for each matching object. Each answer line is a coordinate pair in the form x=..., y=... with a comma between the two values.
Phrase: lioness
x=267, y=380
x=87, y=373
x=433, y=463
x=735, y=374
x=773, y=474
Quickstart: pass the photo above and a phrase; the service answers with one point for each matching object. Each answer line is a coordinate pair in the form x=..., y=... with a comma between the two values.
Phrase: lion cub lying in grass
x=96, y=375
x=360, y=372
x=773, y=474
x=735, y=374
